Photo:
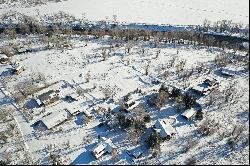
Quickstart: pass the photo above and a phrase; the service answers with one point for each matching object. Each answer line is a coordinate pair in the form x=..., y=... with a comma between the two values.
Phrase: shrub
x=235, y=136
x=208, y=127
x=147, y=118
x=153, y=140
x=175, y=93
x=191, y=143
x=222, y=60
x=189, y=101
x=3, y=162
x=191, y=161
x=139, y=126
x=162, y=97
x=199, y=115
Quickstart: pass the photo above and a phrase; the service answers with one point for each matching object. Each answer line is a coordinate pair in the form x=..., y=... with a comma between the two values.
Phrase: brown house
x=48, y=98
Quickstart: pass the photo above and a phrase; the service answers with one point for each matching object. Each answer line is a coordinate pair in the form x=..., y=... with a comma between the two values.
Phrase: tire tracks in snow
x=17, y=113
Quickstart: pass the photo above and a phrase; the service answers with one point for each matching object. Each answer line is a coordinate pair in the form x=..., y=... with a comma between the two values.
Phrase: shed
x=188, y=114
x=98, y=150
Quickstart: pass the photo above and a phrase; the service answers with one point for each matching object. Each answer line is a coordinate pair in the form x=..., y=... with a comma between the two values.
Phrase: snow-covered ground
x=103, y=72
x=181, y=12
x=123, y=73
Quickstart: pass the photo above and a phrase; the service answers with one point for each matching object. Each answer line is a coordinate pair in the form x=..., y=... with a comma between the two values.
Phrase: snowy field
x=181, y=12
x=124, y=73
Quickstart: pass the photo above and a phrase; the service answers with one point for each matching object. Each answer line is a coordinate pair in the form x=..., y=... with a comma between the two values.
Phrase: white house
x=164, y=128
x=54, y=119
x=104, y=146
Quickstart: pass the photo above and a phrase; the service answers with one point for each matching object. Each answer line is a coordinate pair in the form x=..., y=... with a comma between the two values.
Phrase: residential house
x=4, y=59
x=104, y=146
x=17, y=69
x=54, y=119
x=48, y=98
x=164, y=128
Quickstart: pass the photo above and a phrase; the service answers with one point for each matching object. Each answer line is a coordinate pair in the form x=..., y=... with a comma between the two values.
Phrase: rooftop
x=47, y=95
x=55, y=118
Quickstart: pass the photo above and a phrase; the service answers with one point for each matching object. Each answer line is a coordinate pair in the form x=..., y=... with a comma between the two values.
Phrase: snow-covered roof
x=99, y=147
x=87, y=112
x=3, y=56
x=246, y=45
x=105, y=145
x=206, y=85
x=201, y=88
x=231, y=70
x=189, y=113
x=38, y=101
x=75, y=96
x=136, y=152
x=19, y=67
x=165, y=128
x=55, y=118
x=47, y=95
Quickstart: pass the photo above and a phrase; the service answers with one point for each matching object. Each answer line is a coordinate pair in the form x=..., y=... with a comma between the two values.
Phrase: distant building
x=188, y=114
x=230, y=71
x=164, y=128
x=246, y=45
x=48, y=98
x=54, y=119
x=24, y=50
x=205, y=87
x=73, y=97
x=4, y=59
x=104, y=146
x=17, y=69
x=135, y=153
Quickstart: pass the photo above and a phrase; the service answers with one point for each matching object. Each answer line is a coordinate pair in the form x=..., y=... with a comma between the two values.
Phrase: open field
x=182, y=12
